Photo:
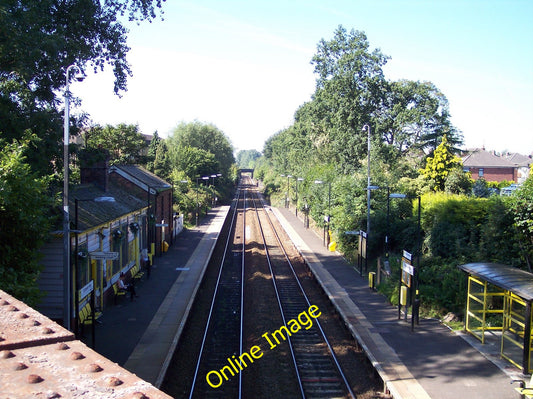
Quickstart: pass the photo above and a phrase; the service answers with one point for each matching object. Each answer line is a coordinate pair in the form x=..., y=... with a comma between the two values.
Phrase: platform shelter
x=499, y=300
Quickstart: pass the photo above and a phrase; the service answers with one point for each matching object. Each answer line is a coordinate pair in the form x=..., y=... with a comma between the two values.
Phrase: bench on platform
x=86, y=316
x=525, y=390
x=118, y=292
x=136, y=273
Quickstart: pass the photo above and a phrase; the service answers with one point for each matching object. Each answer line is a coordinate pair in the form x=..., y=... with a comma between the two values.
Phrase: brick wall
x=495, y=174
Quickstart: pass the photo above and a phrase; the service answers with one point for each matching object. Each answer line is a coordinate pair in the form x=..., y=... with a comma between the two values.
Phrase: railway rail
x=318, y=371
x=223, y=331
x=261, y=334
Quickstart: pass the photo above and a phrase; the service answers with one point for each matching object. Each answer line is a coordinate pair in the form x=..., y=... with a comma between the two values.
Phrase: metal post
x=66, y=218
x=329, y=212
x=367, y=128
x=287, y=200
x=66, y=227
x=527, y=339
x=388, y=227
x=197, y=203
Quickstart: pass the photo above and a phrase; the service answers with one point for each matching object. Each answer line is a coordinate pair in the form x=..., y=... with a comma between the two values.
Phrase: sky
x=244, y=65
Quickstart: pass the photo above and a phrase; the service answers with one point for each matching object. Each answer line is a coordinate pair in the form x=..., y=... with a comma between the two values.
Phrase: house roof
x=519, y=159
x=96, y=207
x=485, y=159
x=141, y=177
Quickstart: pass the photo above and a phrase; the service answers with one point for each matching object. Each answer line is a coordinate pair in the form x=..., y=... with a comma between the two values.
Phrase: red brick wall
x=495, y=174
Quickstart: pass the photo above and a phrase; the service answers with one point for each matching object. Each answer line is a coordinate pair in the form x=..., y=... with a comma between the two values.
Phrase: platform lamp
x=213, y=176
x=66, y=218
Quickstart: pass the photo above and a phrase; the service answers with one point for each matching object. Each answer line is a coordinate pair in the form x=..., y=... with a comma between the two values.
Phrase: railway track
x=318, y=371
x=223, y=332
x=259, y=334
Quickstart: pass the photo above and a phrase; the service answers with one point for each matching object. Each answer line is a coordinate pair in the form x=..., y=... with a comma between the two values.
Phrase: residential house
x=522, y=163
x=489, y=166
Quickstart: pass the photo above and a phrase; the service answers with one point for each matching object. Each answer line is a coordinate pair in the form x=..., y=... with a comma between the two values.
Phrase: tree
x=440, y=165
x=24, y=220
x=246, y=158
x=349, y=90
x=480, y=188
x=38, y=41
x=458, y=182
x=124, y=142
x=206, y=137
x=152, y=151
x=193, y=161
x=162, y=166
x=415, y=115
x=521, y=204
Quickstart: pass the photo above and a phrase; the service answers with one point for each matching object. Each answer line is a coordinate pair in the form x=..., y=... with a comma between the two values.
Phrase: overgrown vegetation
x=32, y=81
x=413, y=151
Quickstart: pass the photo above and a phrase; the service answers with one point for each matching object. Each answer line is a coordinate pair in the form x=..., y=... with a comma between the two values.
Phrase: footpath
x=430, y=362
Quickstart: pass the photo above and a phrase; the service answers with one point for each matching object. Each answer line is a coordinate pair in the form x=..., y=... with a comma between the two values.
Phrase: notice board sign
x=408, y=270
x=362, y=244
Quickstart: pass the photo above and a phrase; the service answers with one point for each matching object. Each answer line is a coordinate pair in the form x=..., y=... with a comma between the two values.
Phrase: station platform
x=141, y=335
x=430, y=362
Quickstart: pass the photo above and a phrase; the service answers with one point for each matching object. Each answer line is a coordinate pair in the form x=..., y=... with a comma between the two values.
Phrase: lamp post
x=216, y=198
x=288, y=201
x=327, y=218
x=66, y=217
x=297, y=180
x=213, y=185
x=367, y=128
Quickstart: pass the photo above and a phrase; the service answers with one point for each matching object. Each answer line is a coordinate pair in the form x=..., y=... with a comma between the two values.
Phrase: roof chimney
x=94, y=164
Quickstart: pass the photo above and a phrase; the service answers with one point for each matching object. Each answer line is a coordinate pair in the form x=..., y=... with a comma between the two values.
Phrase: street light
x=66, y=227
x=213, y=185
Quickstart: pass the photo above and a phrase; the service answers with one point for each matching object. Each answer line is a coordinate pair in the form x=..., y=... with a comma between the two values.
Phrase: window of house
x=481, y=172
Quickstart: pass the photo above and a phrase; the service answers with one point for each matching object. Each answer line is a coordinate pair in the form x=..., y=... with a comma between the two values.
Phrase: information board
x=408, y=270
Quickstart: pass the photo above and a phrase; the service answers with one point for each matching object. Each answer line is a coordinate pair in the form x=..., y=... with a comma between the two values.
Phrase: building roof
x=519, y=159
x=510, y=278
x=485, y=159
x=96, y=207
x=141, y=177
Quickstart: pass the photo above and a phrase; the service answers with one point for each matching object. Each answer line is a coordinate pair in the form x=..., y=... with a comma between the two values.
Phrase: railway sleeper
x=317, y=368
